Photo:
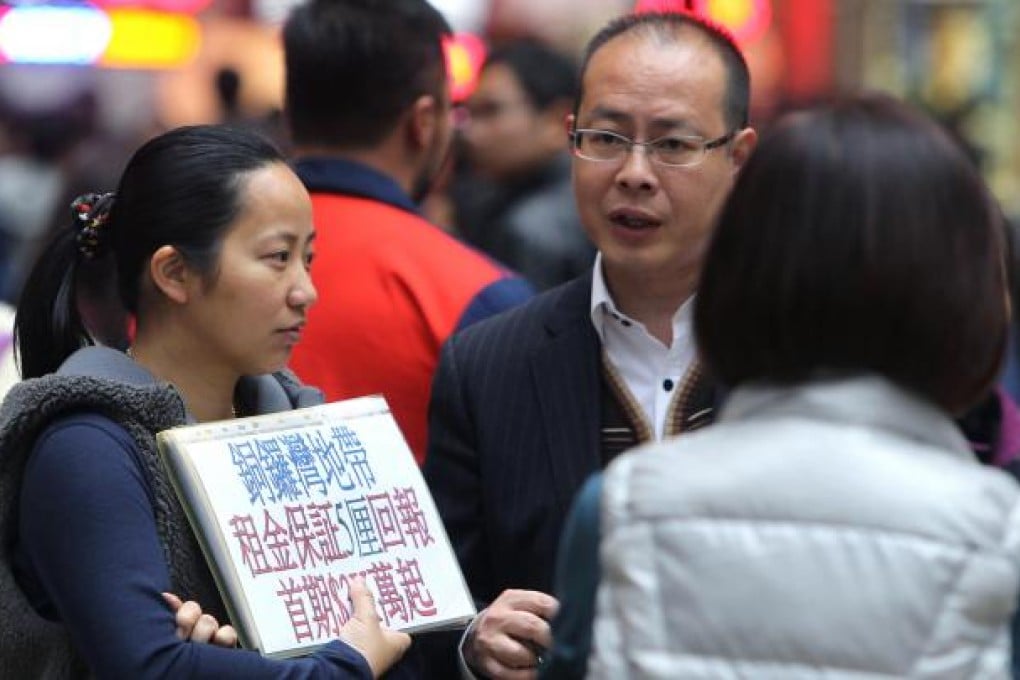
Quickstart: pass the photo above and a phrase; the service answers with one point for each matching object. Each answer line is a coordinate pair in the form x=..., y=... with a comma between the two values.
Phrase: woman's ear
x=170, y=274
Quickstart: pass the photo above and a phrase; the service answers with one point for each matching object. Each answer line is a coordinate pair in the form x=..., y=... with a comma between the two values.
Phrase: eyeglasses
x=674, y=151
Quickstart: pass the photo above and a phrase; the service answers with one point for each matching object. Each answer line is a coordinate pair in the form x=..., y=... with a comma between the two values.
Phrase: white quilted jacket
x=838, y=530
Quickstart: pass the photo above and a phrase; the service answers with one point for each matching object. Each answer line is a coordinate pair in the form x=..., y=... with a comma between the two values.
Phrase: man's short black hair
x=355, y=66
x=665, y=26
x=857, y=238
x=546, y=75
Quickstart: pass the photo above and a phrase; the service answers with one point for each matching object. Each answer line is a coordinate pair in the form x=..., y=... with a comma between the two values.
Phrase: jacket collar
x=867, y=401
x=343, y=176
x=255, y=394
x=572, y=307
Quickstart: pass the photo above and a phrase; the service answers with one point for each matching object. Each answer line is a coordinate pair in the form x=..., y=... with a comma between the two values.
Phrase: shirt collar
x=603, y=307
x=601, y=300
x=344, y=176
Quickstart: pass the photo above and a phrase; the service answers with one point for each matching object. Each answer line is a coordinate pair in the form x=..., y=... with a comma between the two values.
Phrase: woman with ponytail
x=207, y=244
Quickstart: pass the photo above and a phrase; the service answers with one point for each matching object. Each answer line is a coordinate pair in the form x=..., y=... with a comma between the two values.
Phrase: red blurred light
x=747, y=20
x=465, y=54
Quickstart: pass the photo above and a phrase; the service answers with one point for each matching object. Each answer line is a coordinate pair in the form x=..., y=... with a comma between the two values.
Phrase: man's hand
x=193, y=625
x=510, y=634
x=380, y=646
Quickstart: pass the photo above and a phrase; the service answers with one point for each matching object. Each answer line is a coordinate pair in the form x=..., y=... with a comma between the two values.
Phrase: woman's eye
x=308, y=260
x=282, y=256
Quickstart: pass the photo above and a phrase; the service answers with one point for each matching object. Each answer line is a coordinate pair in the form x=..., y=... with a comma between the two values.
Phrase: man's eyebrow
x=677, y=124
x=612, y=115
x=619, y=117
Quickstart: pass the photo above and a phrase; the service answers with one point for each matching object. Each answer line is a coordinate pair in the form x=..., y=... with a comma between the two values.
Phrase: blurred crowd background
x=82, y=84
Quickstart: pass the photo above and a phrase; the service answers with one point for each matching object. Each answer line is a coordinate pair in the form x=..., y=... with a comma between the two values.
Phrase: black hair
x=857, y=238
x=181, y=189
x=665, y=26
x=546, y=75
x=355, y=66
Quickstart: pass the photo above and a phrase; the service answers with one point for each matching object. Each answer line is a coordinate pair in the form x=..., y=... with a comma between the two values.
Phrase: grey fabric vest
x=100, y=380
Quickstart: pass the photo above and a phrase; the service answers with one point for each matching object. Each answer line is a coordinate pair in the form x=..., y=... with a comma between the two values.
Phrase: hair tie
x=90, y=213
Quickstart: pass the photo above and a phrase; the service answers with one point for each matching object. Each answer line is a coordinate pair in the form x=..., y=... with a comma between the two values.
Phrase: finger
x=187, y=616
x=225, y=636
x=538, y=603
x=530, y=629
x=363, y=602
x=497, y=671
x=172, y=601
x=510, y=653
x=204, y=629
x=522, y=625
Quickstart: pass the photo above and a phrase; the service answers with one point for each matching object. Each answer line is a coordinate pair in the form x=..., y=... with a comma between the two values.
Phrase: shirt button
x=667, y=385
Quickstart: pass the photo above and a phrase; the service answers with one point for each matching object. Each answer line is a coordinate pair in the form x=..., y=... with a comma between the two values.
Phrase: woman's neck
x=208, y=391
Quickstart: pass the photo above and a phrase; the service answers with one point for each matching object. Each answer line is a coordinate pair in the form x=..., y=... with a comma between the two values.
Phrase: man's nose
x=637, y=172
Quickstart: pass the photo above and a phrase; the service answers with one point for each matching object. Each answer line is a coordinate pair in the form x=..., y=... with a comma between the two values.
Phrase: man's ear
x=553, y=119
x=423, y=124
x=743, y=146
x=170, y=274
x=568, y=123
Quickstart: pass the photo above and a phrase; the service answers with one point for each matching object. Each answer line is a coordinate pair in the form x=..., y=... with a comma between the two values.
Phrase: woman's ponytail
x=48, y=326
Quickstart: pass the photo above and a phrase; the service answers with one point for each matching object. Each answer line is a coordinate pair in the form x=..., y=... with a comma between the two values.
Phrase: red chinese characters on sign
x=310, y=535
x=319, y=606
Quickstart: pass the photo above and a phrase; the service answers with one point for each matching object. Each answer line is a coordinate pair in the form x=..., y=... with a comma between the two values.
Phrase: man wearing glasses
x=527, y=405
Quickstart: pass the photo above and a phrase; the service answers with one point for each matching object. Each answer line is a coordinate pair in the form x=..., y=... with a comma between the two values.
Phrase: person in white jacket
x=8, y=368
x=834, y=522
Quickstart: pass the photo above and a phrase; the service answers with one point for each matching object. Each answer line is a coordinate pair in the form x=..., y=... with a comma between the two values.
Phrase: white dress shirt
x=652, y=372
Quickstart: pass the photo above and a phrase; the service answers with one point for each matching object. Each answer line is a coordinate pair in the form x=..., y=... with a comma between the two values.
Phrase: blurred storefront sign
x=114, y=37
x=54, y=35
x=957, y=59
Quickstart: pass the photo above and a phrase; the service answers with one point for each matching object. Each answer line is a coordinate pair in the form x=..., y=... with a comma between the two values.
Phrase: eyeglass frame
x=706, y=146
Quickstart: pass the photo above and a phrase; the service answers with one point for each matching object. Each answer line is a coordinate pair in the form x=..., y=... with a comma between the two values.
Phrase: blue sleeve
x=497, y=297
x=1015, y=636
x=88, y=540
x=577, y=582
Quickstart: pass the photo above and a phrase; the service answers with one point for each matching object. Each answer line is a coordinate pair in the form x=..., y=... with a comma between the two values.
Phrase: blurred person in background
x=522, y=211
x=833, y=522
x=8, y=366
x=369, y=112
x=228, y=85
x=34, y=176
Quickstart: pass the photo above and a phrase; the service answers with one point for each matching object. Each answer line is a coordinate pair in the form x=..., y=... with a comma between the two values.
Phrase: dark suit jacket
x=513, y=433
x=514, y=425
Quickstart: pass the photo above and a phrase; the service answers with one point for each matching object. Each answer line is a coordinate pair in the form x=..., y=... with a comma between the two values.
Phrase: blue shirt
x=88, y=554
